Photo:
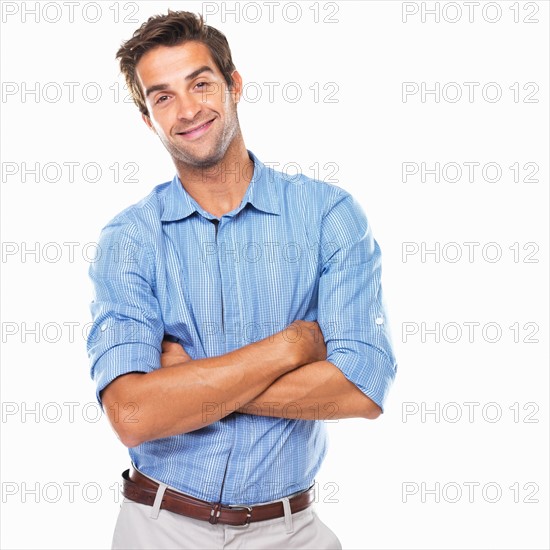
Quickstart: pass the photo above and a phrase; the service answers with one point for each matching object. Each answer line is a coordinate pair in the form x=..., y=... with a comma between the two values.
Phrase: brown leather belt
x=143, y=490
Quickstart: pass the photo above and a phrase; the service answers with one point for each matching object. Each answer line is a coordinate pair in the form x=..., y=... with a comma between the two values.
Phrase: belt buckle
x=248, y=515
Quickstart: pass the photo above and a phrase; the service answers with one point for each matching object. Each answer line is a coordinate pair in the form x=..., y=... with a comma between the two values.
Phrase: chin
x=206, y=161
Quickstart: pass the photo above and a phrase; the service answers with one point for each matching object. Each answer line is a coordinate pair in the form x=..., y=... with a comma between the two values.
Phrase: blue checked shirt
x=295, y=248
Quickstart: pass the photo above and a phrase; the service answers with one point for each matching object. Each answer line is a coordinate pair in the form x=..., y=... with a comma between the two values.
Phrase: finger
x=185, y=356
x=170, y=347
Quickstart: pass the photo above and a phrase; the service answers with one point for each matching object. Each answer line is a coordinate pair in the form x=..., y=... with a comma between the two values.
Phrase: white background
x=377, y=471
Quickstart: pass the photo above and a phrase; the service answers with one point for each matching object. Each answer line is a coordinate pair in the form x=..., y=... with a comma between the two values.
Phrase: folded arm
x=352, y=381
x=316, y=391
x=360, y=365
x=144, y=402
x=172, y=401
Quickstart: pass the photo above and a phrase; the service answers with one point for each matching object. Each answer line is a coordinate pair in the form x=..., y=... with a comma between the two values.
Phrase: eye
x=161, y=99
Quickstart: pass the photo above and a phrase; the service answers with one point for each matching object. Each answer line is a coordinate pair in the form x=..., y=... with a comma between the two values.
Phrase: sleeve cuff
x=372, y=372
x=123, y=359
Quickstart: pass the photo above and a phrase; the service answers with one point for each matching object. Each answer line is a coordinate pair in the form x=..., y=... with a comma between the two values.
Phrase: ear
x=237, y=89
x=148, y=122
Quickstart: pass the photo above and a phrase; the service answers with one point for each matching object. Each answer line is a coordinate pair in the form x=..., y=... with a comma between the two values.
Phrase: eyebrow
x=191, y=76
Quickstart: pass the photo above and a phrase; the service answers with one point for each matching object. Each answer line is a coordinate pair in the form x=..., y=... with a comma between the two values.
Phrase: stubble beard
x=184, y=158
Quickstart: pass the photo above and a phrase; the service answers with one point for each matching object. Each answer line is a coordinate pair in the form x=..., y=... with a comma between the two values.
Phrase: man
x=234, y=310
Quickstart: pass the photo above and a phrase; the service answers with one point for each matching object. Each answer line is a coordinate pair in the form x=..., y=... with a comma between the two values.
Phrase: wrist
x=280, y=353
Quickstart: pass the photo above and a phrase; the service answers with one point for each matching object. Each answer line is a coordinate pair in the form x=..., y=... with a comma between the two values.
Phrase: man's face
x=190, y=107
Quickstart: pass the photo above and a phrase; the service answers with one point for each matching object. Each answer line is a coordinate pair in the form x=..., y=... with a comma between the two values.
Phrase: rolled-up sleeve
x=127, y=328
x=352, y=314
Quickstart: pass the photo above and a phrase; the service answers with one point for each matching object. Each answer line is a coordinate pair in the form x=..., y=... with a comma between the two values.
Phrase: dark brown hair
x=171, y=29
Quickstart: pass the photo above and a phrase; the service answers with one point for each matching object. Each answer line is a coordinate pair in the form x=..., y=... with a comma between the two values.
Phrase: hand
x=172, y=354
x=306, y=340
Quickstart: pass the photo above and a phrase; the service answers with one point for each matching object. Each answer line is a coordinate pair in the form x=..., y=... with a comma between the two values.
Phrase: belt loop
x=215, y=513
x=158, y=500
x=288, y=515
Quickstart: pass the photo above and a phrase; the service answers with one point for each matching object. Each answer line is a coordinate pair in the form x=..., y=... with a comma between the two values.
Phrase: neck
x=221, y=187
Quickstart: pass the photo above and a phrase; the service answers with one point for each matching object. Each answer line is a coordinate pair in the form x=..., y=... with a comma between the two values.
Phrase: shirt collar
x=261, y=194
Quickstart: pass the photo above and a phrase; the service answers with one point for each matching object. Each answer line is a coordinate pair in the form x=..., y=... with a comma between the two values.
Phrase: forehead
x=169, y=63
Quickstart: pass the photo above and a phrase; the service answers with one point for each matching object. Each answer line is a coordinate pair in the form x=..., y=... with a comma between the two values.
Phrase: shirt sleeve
x=127, y=328
x=351, y=311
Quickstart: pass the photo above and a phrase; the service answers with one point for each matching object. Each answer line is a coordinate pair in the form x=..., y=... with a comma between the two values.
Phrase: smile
x=196, y=132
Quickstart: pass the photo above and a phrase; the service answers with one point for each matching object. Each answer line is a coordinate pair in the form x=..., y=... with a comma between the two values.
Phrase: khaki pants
x=136, y=528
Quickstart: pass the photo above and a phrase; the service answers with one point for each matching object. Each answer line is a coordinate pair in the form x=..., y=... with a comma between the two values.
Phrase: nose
x=188, y=106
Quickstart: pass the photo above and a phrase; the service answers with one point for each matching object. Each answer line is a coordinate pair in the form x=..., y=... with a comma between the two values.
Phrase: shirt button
x=104, y=327
x=379, y=320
